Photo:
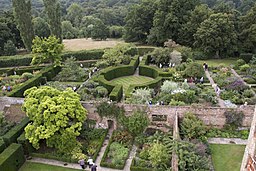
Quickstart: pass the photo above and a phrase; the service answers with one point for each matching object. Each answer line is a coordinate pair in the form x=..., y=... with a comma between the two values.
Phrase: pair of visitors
x=92, y=165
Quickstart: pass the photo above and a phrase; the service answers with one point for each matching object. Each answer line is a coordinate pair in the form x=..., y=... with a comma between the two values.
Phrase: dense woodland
x=213, y=27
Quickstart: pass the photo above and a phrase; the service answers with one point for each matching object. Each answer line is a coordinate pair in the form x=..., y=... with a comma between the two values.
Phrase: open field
x=30, y=166
x=216, y=62
x=227, y=157
x=128, y=80
x=88, y=44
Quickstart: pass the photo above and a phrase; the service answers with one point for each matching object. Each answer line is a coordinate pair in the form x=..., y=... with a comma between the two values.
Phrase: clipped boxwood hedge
x=27, y=147
x=25, y=60
x=144, y=50
x=138, y=168
x=45, y=74
x=94, y=157
x=148, y=71
x=12, y=135
x=12, y=158
x=117, y=93
x=2, y=145
x=54, y=157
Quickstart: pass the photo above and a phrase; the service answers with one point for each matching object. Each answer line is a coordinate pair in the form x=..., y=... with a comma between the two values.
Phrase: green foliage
x=41, y=27
x=71, y=71
x=244, y=67
x=118, y=153
x=223, y=36
x=115, y=56
x=22, y=13
x=47, y=50
x=140, y=96
x=109, y=110
x=158, y=154
x=234, y=118
x=101, y=91
x=4, y=124
x=46, y=74
x=248, y=93
x=2, y=145
x=12, y=158
x=227, y=132
x=136, y=123
x=169, y=86
x=122, y=137
x=139, y=20
x=27, y=75
x=57, y=117
x=161, y=55
x=75, y=14
x=9, y=48
x=12, y=135
x=194, y=70
x=68, y=31
x=191, y=127
x=53, y=11
x=117, y=93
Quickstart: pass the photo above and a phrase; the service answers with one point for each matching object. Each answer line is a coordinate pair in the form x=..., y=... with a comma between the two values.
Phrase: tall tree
x=57, y=117
x=47, y=50
x=22, y=13
x=139, y=20
x=198, y=15
x=5, y=35
x=41, y=27
x=216, y=35
x=53, y=11
x=247, y=34
x=75, y=14
x=168, y=20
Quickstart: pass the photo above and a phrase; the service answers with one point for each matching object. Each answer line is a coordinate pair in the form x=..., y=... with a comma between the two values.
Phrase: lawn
x=227, y=157
x=88, y=44
x=216, y=62
x=29, y=166
x=128, y=80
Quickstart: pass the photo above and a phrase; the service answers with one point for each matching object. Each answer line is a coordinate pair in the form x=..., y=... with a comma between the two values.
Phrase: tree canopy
x=46, y=50
x=57, y=117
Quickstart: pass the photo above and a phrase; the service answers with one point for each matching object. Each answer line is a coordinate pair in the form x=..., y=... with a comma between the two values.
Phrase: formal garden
x=131, y=85
x=130, y=75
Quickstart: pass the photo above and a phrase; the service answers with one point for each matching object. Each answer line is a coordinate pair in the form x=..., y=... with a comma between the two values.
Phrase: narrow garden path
x=227, y=141
x=98, y=160
x=220, y=101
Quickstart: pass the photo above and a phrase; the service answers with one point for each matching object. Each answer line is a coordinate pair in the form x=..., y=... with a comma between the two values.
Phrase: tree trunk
x=217, y=54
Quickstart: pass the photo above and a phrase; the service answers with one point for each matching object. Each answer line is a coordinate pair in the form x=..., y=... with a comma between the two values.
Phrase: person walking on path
x=90, y=162
x=94, y=167
x=81, y=163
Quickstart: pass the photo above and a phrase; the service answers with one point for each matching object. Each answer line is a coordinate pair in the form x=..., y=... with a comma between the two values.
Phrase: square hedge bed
x=117, y=151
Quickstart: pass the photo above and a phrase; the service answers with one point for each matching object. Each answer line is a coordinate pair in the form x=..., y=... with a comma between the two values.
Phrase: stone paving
x=99, y=168
x=227, y=141
x=220, y=101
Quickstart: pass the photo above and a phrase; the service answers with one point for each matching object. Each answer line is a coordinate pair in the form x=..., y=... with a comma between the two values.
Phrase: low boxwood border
x=12, y=135
x=12, y=158
x=94, y=157
x=46, y=74
x=2, y=145
x=137, y=168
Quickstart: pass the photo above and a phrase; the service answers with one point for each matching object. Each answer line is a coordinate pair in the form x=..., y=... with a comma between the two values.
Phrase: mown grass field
x=217, y=62
x=88, y=44
x=128, y=80
x=227, y=157
x=30, y=166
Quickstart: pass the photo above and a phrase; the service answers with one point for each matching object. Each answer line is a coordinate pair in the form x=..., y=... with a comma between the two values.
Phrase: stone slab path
x=99, y=158
x=227, y=141
x=220, y=101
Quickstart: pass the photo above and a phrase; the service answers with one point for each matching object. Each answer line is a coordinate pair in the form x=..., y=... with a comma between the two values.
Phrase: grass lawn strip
x=30, y=166
x=227, y=157
x=129, y=80
x=217, y=62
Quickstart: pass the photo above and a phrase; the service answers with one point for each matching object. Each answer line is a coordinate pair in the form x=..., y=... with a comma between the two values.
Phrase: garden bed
x=117, y=151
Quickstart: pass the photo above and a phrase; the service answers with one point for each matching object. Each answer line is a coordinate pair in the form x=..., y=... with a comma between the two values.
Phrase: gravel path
x=227, y=141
